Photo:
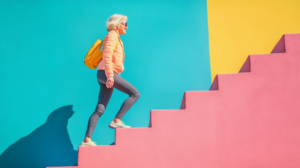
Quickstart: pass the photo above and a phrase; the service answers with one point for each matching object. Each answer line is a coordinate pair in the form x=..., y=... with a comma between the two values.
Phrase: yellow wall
x=238, y=28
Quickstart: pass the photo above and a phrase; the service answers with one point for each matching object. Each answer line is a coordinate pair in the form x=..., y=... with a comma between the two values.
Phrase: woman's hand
x=110, y=82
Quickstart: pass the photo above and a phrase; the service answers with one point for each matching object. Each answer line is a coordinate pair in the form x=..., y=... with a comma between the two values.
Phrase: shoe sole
x=88, y=145
x=116, y=127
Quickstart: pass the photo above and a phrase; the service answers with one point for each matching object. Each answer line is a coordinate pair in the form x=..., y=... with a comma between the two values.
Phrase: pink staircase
x=246, y=120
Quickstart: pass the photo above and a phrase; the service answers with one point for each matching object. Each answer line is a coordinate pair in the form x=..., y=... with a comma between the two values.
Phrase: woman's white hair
x=114, y=21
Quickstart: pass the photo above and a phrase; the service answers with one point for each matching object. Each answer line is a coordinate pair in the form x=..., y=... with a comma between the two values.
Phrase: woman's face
x=122, y=27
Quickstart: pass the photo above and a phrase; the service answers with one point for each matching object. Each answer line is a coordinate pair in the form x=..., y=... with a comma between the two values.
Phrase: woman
x=108, y=70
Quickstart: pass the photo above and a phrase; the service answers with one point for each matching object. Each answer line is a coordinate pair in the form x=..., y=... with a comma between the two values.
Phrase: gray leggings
x=104, y=96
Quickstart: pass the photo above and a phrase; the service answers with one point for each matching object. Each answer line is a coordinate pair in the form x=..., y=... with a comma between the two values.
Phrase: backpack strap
x=116, y=45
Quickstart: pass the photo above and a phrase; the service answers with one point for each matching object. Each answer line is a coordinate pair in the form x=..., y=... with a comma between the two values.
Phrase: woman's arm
x=109, y=46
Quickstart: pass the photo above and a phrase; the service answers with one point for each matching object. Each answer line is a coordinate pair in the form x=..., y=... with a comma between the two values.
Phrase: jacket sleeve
x=109, y=46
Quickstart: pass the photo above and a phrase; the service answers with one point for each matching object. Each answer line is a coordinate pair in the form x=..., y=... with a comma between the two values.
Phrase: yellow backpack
x=94, y=55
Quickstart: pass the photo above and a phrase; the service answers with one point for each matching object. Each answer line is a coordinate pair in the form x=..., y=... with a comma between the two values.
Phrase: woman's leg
x=126, y=87
x=103, y=99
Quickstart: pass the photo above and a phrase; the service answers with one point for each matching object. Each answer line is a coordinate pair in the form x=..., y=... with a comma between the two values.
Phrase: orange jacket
x=112, y=61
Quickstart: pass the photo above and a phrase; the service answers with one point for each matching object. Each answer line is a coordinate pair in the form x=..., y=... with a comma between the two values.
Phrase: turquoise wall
x=47, y=94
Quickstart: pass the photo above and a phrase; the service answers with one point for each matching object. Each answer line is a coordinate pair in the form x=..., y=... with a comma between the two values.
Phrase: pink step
x=248, y=119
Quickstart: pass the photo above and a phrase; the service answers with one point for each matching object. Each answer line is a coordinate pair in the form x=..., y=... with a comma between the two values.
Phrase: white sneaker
x=119, y=124
x=90, y=143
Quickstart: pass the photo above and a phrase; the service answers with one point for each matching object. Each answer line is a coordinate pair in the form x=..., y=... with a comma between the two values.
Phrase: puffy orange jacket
x=112, y=61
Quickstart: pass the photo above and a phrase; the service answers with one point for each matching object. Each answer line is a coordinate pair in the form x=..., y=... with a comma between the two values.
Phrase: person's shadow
x=47, y=146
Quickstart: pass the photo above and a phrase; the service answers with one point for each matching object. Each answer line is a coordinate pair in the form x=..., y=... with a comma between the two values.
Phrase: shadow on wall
x=48, y=145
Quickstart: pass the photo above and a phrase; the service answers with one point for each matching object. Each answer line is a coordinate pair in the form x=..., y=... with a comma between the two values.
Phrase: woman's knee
x=99, y=109
x=136, y=94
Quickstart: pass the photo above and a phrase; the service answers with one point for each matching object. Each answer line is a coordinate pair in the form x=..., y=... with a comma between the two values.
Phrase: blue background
x=47, y=94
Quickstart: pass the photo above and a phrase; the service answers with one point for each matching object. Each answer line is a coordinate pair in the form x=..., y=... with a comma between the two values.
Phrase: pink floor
x=246, y=120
